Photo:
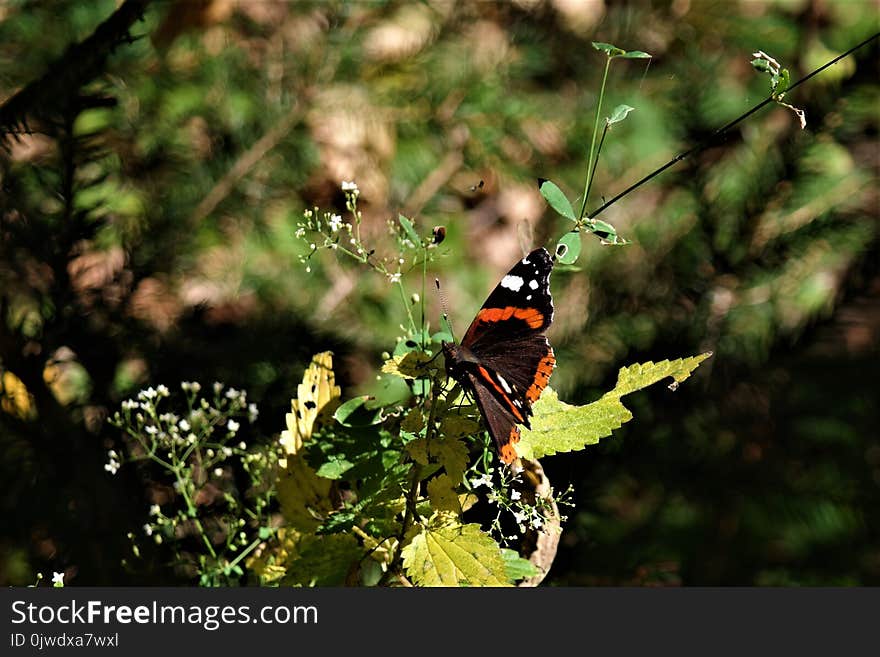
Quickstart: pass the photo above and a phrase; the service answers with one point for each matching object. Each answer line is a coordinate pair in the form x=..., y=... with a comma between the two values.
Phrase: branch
x=60, y=86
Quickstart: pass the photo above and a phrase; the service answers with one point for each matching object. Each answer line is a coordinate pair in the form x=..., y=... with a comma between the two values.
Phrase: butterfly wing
x=520, y=305
x=499, y=420
x=510, y=358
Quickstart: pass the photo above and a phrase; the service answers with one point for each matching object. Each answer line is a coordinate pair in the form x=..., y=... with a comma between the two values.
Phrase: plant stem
x=590, y=167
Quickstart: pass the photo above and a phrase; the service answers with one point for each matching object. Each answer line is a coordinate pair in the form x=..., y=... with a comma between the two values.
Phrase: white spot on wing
x=513, y=283
x=526, y=261
x=533, y=284
x=504, y=384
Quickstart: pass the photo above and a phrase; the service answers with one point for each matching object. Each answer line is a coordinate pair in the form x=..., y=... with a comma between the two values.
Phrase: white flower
x=349, y=186
x=218, y=472
x=227, y=451
x=253, y=412
x=155, y=509
x=58, y=579
x=149, y=393
x=519, y=517
x=233, y=426
x=129, y=405
x=537, y=522
x=300, y=232
x=395, y=277
x=515, y=495
x=184, y=425
x=151, y=429
x=482, y=480
x=148, y=529
x=162, y=390
x=335, y=222
x=217, y=387
x=242, y=445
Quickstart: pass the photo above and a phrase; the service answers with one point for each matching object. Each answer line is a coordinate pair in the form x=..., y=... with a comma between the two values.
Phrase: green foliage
x=148, y=232
x=560, y=427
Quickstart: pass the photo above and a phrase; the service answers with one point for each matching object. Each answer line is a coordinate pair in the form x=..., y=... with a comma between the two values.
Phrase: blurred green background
x=147, y=236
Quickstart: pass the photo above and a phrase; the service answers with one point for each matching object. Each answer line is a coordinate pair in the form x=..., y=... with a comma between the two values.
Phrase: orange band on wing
x=531, y=316
x=508, y=453
x=542, y=376
x=513, y=409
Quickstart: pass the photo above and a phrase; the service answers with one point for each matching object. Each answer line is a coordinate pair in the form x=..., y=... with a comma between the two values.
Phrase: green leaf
x=452, y=554
x=353, y=413
x=334, y=469
x=560, y=427
x=572, y=248
x=761, y=65
x=782, y=85
x=409, y=230
x=636, y=54
x=606, y=232
x=641, y=375
x=517, y=567
x=323, y=560
x=608, y=49
x=619, y=114
x=557, y=199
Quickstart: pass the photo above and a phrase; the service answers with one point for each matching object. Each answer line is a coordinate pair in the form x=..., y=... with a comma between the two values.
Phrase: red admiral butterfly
x=504, y=359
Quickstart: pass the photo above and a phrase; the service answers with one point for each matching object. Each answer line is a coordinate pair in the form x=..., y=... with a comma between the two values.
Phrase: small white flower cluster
x=527, y=516
x=178, y=438
x=113, y=463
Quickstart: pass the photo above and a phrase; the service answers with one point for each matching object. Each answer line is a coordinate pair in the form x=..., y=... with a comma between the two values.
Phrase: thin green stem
x=250, y=548
x=595, y=164
x=589, y=180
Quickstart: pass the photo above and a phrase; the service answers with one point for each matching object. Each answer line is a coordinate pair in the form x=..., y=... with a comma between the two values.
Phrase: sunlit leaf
x=608, y=49
x=452, y=554
x=408, y=366
x=619, y=114
x=557, y=199
x=571, y=242
x=317, y=395
x=560, y=427
x=409, y=230
x=441, y=492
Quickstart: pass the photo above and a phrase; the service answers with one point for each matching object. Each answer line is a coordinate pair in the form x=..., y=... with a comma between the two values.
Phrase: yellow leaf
x=15, y=398
x=317, y=396
x=303, y=495
x=447, y=553
x=408, y=366
x=442, y=494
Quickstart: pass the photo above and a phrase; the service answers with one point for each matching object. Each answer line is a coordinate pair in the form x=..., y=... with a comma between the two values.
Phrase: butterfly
x=504, y=359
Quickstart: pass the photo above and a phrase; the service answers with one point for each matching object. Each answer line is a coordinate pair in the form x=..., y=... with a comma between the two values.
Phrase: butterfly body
x=505, y=360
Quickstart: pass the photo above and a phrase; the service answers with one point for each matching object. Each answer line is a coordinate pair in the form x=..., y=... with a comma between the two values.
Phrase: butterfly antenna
x=445, y=308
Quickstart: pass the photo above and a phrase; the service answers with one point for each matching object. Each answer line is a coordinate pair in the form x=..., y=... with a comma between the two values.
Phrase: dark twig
x=53, y=94
x=715, y=136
